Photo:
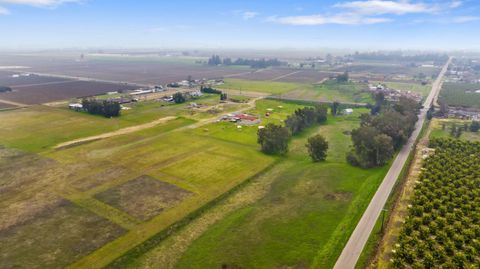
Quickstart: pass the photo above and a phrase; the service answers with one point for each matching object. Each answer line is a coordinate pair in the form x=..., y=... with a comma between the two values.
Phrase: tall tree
x=273, y=139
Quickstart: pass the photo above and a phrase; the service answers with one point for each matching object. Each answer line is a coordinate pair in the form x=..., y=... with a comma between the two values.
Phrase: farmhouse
x=76, y=106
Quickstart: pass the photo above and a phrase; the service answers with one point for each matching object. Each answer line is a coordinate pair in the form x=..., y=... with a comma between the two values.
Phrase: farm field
x=157, y=70
x=25, y=129
x=388, y=69
x=6, y=79
x=6, y=106
x=461, y=94
x=43, y=93
x=93, y=181
x=271, y=87
x=333, y=91
x=286, y=75
x=313, y=207
x=441, y=229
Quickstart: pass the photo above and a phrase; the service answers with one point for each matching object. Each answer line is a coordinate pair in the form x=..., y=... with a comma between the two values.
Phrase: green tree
x=475, y=126
x=335, y=106
x=343, y=78
x=317, y=147
x=273, y=139
x=178, y=98
x=384, y=149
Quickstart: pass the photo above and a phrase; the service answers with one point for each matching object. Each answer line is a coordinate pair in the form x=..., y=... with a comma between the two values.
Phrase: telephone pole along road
x=352, y=250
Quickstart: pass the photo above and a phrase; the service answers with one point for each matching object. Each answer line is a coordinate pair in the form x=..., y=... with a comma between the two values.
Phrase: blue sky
x=356, y=24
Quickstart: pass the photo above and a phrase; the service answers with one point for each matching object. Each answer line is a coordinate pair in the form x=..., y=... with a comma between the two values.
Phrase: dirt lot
x=43, y=93
x=143, y=197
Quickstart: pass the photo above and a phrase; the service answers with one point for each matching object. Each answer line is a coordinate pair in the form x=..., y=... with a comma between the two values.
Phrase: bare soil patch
x=55, y=237
x=143, y=197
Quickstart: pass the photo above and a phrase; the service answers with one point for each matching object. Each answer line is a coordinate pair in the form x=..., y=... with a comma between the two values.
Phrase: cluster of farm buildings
x=393, y=94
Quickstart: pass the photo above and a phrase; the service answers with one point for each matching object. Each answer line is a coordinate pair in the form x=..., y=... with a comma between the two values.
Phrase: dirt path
x=41, y=84
x=286, y=75
x=115, y=133
x=12, y=103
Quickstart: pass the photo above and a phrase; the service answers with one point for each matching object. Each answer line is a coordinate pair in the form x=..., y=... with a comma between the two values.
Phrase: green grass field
x=441, y=129
x=305, y=216
x=272, y=87
x=38, y=128
x=333, y=91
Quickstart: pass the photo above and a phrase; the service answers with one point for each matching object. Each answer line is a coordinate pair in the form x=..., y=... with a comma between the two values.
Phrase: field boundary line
x=42, y=84
x=286, y=75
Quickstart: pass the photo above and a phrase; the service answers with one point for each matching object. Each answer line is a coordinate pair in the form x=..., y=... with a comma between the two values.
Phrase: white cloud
x=247, y=15
x=455, y=4
x=39, y=3
x=343, y=18
x=465, y=19
x=368, y=12
x=379, y=7
x=4, y=11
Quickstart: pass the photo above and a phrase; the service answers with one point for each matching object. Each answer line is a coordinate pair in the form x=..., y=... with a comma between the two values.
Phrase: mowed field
x=297, y=214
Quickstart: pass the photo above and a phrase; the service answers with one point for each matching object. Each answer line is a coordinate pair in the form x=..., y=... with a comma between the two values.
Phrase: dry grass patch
x=55, y=237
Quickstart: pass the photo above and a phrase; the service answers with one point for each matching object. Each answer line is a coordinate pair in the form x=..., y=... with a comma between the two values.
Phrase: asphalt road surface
x=352, y=250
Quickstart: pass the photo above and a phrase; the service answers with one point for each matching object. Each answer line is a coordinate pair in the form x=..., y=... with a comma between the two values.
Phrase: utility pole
x=383, y=218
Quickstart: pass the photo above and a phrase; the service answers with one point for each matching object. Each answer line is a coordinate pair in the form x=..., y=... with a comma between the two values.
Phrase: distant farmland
x=43, y=93
x=461, y=94
x=124, y=69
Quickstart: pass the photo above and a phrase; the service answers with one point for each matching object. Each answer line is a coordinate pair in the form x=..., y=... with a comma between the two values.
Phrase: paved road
x=350, y=254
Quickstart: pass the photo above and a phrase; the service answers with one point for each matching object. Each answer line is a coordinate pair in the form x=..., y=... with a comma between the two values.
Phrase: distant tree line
x=206, y=89
x=382, y=133
x=253, y=63
x=400, y=56
x=5, y=89
x=101, y=107
x=273, y=139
